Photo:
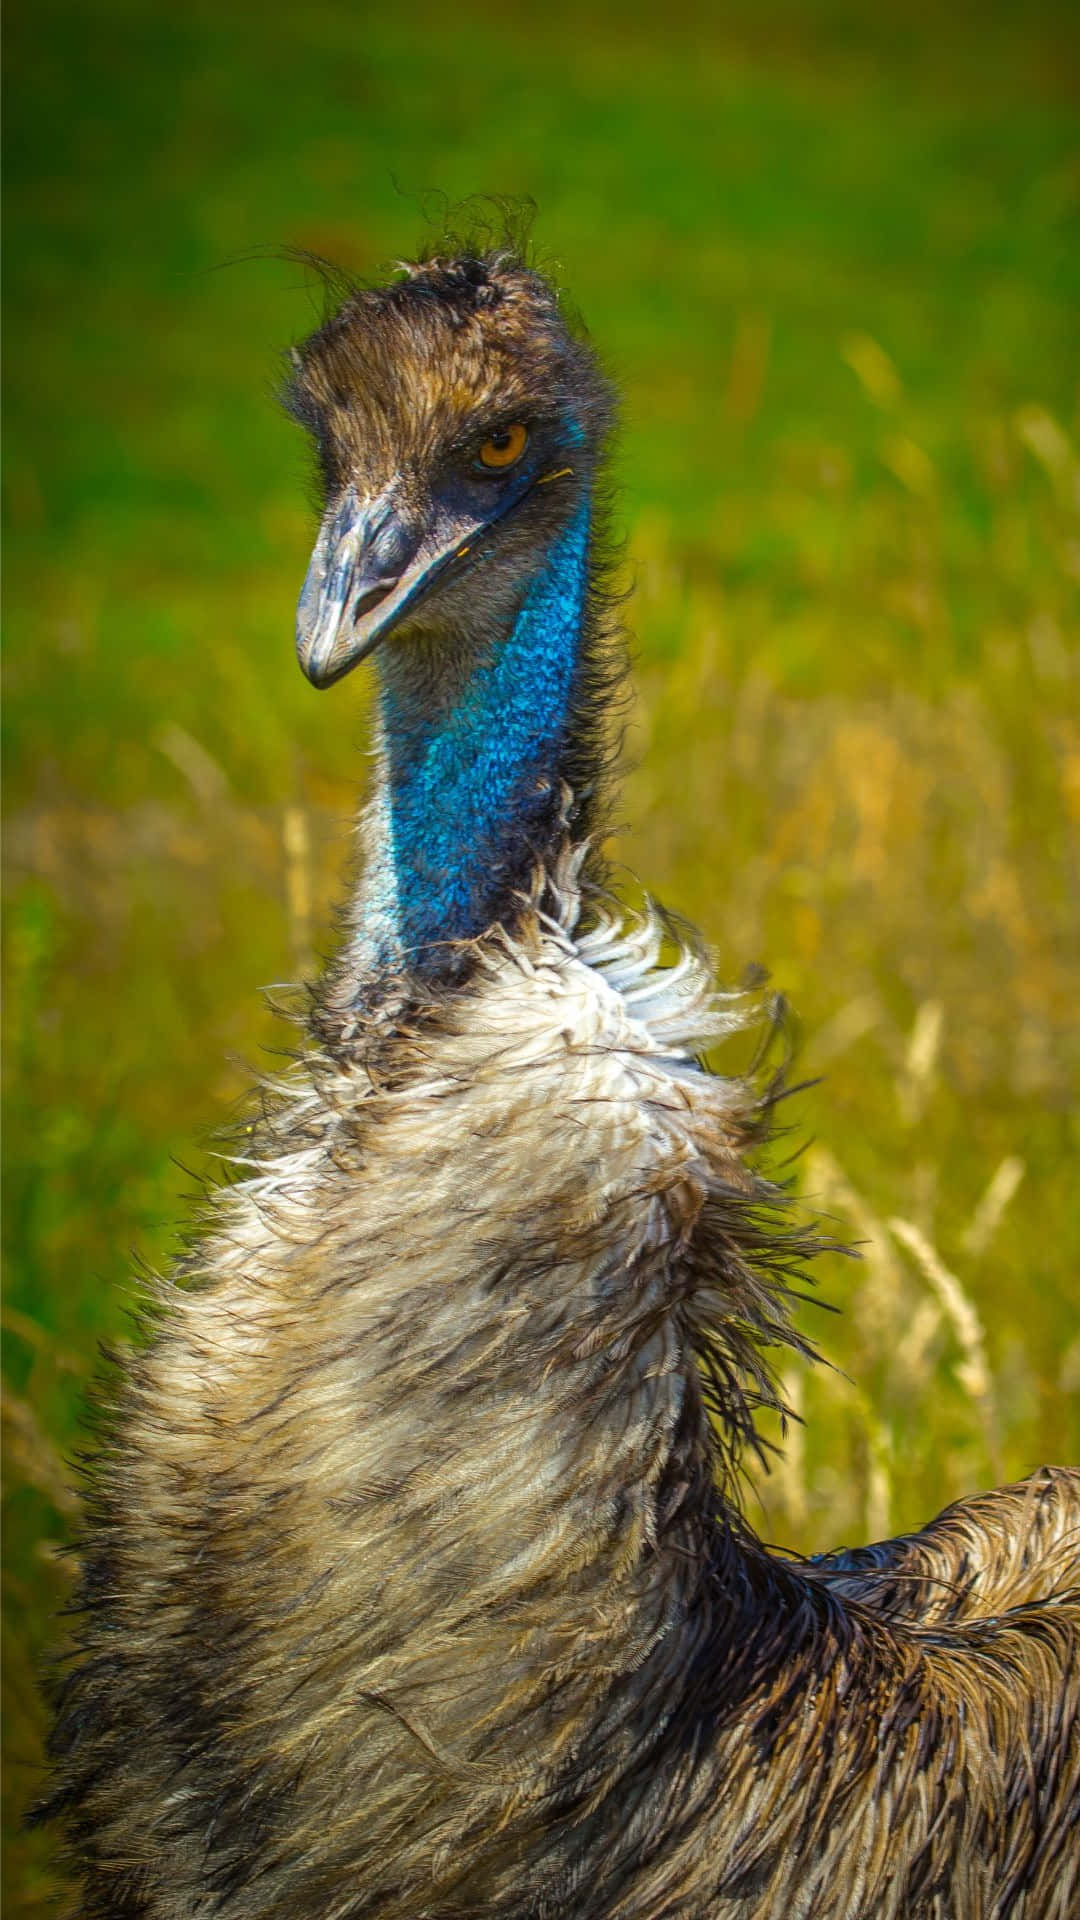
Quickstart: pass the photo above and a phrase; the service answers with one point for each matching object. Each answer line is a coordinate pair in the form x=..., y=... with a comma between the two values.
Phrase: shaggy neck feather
x=468, y=789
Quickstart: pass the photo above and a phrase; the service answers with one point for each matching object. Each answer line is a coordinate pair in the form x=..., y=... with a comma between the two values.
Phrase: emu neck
x=471, y=755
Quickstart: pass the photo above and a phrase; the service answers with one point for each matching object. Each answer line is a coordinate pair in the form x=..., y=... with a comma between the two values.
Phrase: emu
x=415, y=1584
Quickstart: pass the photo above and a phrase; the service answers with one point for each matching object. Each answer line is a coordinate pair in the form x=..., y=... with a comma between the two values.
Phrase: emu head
x=457, y=419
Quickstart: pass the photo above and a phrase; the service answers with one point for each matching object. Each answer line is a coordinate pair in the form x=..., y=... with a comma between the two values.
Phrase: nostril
x=392, y=548
x=386, y=549
x=371, y=597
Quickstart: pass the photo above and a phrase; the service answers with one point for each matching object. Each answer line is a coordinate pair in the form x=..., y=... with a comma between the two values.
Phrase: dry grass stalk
x=872, y=1455
x=973, y=1371
x=789, y=1473
x=30, y=1456
x=850, y=1022
x=206, y=779
x=878, y=1477
x=877, y=1300
x=988, y=1213
x=912, y=1362
x=920, y=1061
x=36, y=1336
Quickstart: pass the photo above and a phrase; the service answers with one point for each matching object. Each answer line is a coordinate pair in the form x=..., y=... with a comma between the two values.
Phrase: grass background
x=831, y=254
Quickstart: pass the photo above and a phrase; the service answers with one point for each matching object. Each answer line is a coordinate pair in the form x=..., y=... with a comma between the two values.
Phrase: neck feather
x=469, y=791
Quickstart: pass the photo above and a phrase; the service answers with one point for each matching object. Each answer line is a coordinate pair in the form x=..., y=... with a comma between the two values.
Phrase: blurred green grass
x=830, y=253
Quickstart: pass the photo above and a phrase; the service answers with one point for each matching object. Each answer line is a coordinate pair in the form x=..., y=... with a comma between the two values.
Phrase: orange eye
x=504, y=447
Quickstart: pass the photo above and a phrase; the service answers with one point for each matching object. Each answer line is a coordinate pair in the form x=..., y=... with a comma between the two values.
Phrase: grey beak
x=362, y=551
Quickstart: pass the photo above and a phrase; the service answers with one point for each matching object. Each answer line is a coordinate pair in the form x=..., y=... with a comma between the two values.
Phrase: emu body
x=414, y=1583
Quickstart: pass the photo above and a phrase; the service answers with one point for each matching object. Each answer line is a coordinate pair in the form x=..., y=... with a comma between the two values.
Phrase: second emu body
x=414, y=1583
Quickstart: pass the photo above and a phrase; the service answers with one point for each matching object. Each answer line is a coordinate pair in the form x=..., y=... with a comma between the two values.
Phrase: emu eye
x=504, y=447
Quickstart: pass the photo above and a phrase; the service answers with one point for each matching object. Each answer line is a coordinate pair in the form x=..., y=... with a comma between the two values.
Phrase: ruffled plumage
x=414, y=1582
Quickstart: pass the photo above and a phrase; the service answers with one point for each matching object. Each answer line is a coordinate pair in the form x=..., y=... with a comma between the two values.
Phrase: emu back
x=414, y=1581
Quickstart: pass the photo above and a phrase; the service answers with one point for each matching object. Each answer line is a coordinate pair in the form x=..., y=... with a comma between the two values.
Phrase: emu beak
x=357, y=583
x=373, y=561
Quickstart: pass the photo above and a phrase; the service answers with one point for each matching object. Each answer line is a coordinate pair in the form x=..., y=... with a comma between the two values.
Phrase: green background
x=830, y=254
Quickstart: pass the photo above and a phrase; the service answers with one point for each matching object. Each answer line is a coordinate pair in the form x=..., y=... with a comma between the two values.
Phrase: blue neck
x=470, y=792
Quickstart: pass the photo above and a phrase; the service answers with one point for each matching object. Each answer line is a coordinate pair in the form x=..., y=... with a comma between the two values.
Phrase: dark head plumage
x=402, y=389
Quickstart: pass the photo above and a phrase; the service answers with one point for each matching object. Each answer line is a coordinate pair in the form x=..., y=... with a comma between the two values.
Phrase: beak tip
x=325, y=658
x=314, y=669
x=363, y=576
